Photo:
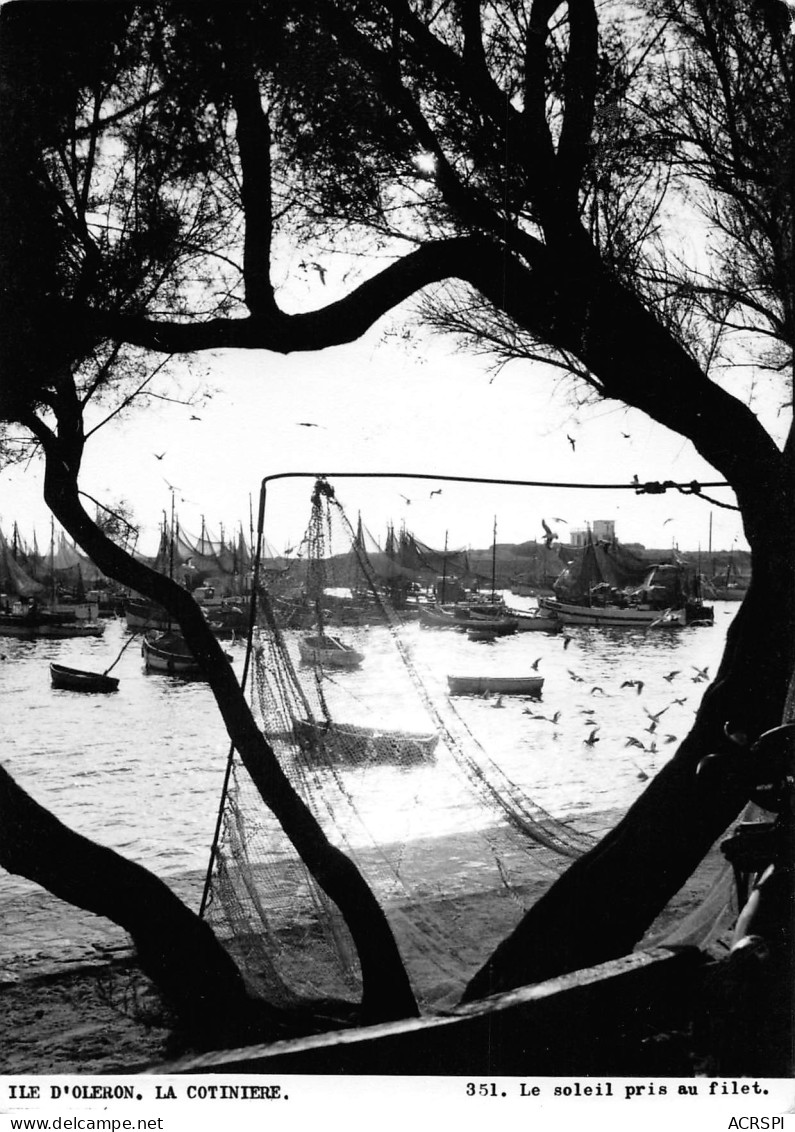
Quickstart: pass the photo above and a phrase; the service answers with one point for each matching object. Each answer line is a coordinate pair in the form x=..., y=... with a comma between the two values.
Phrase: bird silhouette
x=655, y=715
x=669, y=739
x=642, y=775
x=549, y=534
x=577, y=679
x=592, y=739
x=669, y=677
x=596, y=688
x=405, y=497
x=307, y=424
x=498, y=702
x=683, y=700
x=566, y=641
x=193, y=417
x=158, y=457
x=637, y=684
x=437, y=491
x=633, y=742
x=700, y=674
x=535, y=664
x=572, y=442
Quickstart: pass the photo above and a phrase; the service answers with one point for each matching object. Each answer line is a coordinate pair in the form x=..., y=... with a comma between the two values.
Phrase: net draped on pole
x=452, y=848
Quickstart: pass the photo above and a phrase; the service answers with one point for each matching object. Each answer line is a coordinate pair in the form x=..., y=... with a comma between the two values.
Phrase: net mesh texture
x=352, y=695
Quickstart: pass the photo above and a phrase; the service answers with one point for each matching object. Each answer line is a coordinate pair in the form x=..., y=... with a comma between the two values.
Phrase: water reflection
x=141, y=771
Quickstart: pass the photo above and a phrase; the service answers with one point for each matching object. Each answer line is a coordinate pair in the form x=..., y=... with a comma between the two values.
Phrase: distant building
x=601, y=530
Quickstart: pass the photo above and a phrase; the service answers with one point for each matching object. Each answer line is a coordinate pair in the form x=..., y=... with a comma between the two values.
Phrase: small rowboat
x=354, y=743
x=329, y=652
x=535, y=621
x=437, y=618
x=499, y=626
x=169, y=652
x=503, y=685
x=477, y=634
x=76, y=680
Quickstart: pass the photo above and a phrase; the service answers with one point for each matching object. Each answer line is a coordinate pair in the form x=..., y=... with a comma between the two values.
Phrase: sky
x=397, y=404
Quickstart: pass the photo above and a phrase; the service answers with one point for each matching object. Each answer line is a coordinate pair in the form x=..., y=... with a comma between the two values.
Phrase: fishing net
x=351, y=694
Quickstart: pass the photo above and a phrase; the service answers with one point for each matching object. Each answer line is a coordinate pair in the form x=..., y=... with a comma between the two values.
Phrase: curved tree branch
x=386, y=990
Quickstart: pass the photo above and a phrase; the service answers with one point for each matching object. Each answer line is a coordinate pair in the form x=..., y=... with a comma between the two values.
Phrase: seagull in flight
x=307, y=424
x=549, y=534
x=437, y=491
x=158, y=457
x=572, y=442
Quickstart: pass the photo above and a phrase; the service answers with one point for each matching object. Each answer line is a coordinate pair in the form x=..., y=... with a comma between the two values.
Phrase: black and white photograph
x=397, y=563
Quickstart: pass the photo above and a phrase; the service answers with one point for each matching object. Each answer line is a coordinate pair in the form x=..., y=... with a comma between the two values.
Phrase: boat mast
x=494, y=561
x=171, y=541
x=52, y=559
x=444, y=567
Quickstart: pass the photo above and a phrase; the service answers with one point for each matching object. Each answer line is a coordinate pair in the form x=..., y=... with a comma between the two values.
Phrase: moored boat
x=475, y=634
x=168, y=652
x=54, y=622
x=331, y=652
x=535, y=621
x=349, y=741
x=610, y=586
x=502, y=685
x=437, y=618
x=78, y=680
x=613, y=616
x=141, y=614
x=499, y=626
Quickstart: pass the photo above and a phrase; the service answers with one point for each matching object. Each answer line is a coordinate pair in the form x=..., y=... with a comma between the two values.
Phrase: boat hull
x=167, y=653
x=613, y=616
x=76, y=680
x=328, y=652
x=502, y=685
x=352, y=743
x=30, y=628
x=535, y=622
x=143, y=615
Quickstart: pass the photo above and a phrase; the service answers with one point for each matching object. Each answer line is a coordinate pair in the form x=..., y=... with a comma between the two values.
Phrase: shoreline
x=76, y=1002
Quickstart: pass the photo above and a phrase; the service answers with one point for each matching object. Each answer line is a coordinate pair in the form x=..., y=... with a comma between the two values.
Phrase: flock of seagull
x=650, y=746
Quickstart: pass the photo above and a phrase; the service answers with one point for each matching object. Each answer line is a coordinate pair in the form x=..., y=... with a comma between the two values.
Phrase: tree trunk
x=176, y=949
x=604, y=903
x=387, y=993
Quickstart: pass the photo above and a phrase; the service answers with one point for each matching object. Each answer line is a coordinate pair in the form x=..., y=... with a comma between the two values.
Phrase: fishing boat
x=501, y=685
x=55, y=622
x=614, y=616
x=475, y=634
x=77, y=680
x=435, y=617
x=329, y=652
x=609, y=586
x=349, y=741
x=168, y=652
x=535, y=621
x=141, y=614
x=498, y=626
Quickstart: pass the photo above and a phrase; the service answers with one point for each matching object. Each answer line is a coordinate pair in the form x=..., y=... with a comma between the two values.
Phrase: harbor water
x=141, y=770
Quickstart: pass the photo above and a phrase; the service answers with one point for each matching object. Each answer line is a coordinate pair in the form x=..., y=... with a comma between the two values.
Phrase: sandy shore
x=74, y=1001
